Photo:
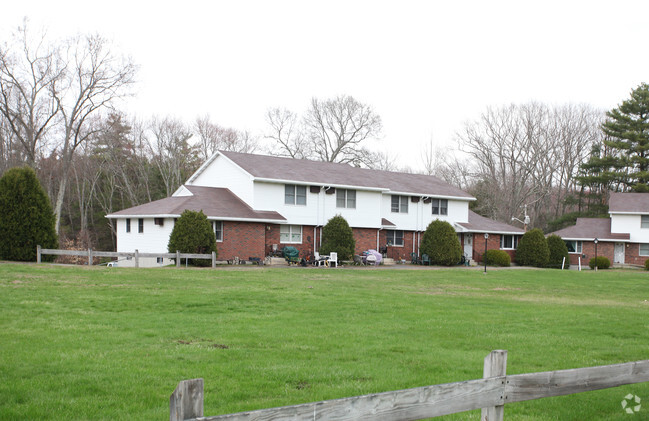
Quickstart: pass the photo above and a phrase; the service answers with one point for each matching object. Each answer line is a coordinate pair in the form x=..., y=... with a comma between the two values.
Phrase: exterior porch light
x=596, y=241
x=484, y=256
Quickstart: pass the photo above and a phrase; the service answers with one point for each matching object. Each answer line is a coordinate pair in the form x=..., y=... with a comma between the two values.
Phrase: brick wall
x=242, y=239
x=493, y=243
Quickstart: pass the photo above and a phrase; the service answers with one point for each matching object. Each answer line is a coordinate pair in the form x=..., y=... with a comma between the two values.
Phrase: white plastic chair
x=319, y=260
x=333, y=259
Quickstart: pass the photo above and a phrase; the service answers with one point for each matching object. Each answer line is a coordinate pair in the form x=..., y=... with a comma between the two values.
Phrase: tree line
x=59, y=114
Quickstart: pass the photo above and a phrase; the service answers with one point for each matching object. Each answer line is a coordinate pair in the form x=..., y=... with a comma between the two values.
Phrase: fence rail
x=136, y=255
x=490, y=393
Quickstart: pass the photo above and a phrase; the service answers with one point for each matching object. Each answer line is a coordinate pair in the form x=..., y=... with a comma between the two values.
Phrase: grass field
x=101, y=343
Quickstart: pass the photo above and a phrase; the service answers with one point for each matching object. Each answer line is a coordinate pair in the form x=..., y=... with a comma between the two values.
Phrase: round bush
x=646, y=264
x=497, y=258
x=26, y=217
x=193, y=233
x=602, y=263
x=558, y=250
x=337, y=236
x=441, y=244
x=533, y=249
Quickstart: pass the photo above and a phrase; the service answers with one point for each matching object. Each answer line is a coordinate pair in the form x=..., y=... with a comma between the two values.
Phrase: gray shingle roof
x=629, y=203
x=215, y=202
x=334, y=174
x=590, y=228
x=479, y=223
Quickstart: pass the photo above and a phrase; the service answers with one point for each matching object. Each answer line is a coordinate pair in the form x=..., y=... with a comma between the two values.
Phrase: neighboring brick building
x=623, y=237
x=260, y=203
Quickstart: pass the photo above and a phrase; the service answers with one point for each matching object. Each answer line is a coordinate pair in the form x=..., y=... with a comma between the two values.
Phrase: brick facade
x=252, y=239
x=607, y=249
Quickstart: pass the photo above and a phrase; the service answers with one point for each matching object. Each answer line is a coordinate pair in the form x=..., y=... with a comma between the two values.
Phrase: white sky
x=425, y=66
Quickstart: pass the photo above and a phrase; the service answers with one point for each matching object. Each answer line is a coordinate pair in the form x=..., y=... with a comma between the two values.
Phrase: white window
x=574, y=246
x=159, y=260
x=508, y=242
x=345, y=198
x=440, y=207
x=291, y=234
x=399, y=204
x=128, y=224
x=644, y=221
x=294, y=195
x=140, y=225
x=159, y=221
x=394, y=237
x=644, y=249
x=218, y=230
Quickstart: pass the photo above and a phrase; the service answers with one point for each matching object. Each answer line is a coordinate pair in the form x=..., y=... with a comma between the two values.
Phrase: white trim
x=209, y=218
x=628, y=213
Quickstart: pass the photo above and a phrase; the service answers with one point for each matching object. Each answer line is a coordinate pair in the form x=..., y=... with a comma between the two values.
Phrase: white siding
x=320, y=207
x=420, y=214
x=154, y=239
x=630, y=224
x=223, y=173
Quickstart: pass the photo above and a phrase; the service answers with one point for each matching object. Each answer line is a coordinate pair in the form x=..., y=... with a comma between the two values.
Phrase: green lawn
x=113, y=343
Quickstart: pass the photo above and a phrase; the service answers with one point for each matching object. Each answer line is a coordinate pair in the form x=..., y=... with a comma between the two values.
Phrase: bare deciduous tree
x=171, y=152
x=528, y=155
x=29, y=70
x=94, y=79
x=213, y=137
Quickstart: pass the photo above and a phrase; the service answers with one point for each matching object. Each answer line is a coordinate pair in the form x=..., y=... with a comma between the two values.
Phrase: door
x=619, y=253
x=468, y=246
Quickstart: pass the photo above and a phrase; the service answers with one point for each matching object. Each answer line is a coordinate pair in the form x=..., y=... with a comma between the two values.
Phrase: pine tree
x=533, y=249
x=193, y=233
x=628, y=129
x=337, y=236
x=26, y=217
x=441, y=244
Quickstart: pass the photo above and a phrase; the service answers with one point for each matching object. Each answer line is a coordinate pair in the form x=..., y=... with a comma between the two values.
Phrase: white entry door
x=619, y=253
x=468, y=246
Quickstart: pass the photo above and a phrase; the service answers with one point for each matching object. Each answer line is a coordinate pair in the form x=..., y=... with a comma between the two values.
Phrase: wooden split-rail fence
x=491, y=394
x=136, y=255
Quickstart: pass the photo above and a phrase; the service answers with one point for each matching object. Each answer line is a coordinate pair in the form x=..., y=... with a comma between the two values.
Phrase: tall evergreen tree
x=26, y=217
x=627, y=127
x=338, y=236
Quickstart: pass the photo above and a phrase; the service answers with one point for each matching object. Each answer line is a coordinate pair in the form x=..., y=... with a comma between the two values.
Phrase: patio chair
x=414, y=259
x=358, y=260
x=333, y=259
x=319, y=260
x=425, y=260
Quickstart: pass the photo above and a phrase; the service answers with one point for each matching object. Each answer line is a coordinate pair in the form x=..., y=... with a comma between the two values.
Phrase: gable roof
x=216, y=203
x=302, y=171
x=589, y=229
x=479, y=223
x=629, y=203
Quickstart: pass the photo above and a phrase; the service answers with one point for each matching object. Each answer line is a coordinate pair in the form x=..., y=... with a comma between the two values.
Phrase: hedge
x=497, y=258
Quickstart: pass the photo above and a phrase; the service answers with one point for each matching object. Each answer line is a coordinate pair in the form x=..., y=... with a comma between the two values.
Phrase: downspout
x=378, y=238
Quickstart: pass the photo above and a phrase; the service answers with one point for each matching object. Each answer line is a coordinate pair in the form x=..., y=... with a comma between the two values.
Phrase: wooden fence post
x=38, y=253
x=89, y=257
x=495, y=364
x=177, y=258
x=187, y=400
x=137, y=258
x=213, y=259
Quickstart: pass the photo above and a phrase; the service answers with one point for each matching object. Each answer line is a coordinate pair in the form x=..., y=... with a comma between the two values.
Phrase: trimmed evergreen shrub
x=441, y=244
x=602, y=263
x=558, y=250
x=26, y=217
x=337, y=236
x=193, y=233
x=646, y=264
x=497, y=258
x=533, y=249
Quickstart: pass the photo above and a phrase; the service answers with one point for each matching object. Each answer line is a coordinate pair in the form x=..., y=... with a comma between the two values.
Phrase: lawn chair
x=333, y=259
x=425, y=260
x=319, y=260
x=358, y=260
x=414, y=259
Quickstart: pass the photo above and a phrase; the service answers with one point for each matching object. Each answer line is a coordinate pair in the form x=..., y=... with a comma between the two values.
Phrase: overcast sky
x=425, y=66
